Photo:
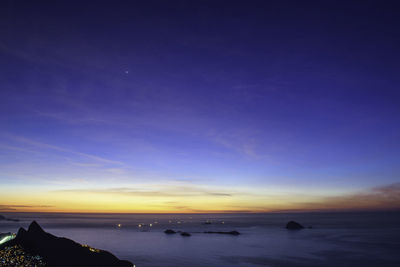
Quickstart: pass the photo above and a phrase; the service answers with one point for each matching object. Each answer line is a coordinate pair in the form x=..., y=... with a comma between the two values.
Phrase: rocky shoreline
x=35, y=247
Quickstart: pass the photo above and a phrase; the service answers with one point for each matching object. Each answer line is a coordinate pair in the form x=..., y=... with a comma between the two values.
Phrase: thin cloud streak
x=6, y=207
x=169, y=191
x=41, y=145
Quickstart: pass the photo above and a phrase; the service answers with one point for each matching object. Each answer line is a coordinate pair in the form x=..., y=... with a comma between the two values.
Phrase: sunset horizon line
x=216, y=212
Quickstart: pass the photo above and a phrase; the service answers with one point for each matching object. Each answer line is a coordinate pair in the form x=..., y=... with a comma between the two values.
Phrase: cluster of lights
x=91, y=249
x=14, y=256
x=142, y=225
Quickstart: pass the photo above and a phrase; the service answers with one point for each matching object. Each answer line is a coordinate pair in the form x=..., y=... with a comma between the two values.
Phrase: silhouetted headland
x=50, y=250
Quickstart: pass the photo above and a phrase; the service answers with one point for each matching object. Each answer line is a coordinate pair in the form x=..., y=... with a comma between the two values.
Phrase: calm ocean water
x=336, y=239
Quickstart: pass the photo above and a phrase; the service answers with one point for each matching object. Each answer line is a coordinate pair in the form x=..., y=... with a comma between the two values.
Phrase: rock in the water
x=169, y=231
x=62, y=252
x=224, y=233
x=292, y=225
x=185, y=234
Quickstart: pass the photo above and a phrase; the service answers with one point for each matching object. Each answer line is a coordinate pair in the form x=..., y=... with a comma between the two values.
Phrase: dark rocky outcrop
x=169, y=231
x=292, y=225
x=62, y=252
x=185, y=234
x=224, y=233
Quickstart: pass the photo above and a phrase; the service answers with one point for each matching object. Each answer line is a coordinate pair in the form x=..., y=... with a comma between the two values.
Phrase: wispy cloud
x=90, y=165
x=194, y=210
x=46, y=146
x=246, y=141
x=243, y=142
x=166, y=191
x=6, y=207
x=16, y=148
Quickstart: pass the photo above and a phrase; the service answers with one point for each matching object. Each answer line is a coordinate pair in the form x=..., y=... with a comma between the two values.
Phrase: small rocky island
x=223, y=233
x=35, y=247
x=170, y=231
x=292, y=225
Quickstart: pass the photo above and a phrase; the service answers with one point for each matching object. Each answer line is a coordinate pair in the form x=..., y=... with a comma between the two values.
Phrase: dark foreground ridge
x=60, y=251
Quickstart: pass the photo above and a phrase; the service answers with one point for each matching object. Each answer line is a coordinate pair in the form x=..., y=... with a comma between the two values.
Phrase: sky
x=199, y=106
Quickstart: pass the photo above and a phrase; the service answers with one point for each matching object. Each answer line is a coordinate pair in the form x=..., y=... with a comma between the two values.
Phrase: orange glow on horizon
x=168, y=201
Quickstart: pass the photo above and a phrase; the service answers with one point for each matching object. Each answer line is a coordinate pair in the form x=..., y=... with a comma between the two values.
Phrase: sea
x=329, y=239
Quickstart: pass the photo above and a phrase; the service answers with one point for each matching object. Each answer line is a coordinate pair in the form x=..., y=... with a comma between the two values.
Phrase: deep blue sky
x=246, y=100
